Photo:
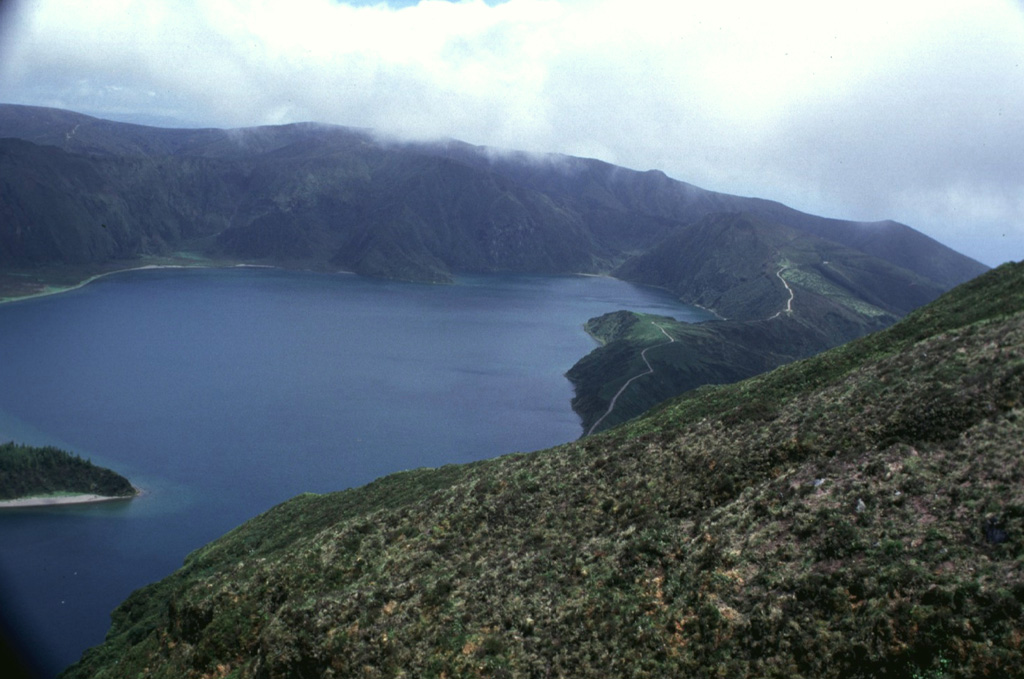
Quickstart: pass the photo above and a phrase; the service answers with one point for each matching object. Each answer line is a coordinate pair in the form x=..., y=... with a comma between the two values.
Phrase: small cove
x=222, y=392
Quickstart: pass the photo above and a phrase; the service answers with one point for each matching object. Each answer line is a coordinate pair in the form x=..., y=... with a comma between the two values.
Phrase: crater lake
x=222, y=392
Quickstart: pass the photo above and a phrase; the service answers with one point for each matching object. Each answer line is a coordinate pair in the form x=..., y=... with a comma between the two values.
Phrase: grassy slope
x=713, y=352
x=850, y=514
x=730, y=262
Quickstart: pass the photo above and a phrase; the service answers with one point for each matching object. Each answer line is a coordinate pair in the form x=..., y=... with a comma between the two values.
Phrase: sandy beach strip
x=56, y=500
x=56, y=290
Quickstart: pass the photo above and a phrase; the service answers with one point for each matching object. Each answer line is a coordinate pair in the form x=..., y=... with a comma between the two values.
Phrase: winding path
x=789, y=302
x=650, y=370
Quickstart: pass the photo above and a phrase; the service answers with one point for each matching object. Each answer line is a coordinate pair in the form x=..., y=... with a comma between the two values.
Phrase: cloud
x=865, y=110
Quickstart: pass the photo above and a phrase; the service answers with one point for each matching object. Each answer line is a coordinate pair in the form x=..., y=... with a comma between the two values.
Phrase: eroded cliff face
x=854, y=514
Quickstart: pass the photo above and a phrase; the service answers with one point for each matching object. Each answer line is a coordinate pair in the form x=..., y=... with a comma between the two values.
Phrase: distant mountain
x=332, y=196
x=698, y=263
x=79, y=195
x=857, y=514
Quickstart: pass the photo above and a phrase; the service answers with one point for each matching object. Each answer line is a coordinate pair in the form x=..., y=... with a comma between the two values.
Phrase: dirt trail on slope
x=649, y=371
x=789, y=302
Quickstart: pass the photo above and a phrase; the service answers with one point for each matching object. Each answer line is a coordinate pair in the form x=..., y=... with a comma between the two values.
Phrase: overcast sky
x=866, y=110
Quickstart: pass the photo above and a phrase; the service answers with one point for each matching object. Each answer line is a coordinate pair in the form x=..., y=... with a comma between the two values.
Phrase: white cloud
x=867, y=110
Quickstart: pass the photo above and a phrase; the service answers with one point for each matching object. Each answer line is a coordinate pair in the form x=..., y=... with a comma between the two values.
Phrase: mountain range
x=81, y=195
x=855, y=514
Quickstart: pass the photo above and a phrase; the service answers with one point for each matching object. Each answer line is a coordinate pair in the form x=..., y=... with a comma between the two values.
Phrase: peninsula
x=33, y=476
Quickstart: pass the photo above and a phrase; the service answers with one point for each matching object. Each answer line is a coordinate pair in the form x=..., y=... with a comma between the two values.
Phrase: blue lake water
x=222, y=392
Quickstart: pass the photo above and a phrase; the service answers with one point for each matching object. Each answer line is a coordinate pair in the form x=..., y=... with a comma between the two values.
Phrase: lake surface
x=222, y=392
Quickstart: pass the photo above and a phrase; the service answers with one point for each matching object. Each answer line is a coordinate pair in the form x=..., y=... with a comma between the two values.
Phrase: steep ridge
x=856, y=514
x=698, y=263
x=599, y=186
x=64, y=208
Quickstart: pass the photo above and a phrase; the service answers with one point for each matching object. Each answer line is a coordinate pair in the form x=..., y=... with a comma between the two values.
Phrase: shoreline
x=36, y=501
x=711, y=311
x=90, y=279
x=144, y=267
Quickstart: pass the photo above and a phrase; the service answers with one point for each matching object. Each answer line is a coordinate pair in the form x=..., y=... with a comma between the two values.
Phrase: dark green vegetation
x=82, y=196
x=810, y=295
x=28, y=471
x=856, y=514
x=704, y=353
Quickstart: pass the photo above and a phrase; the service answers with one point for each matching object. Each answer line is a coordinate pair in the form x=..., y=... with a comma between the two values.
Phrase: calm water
x=225, y=392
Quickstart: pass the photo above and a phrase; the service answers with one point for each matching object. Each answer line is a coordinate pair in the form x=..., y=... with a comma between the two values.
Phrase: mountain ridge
x=324, y=158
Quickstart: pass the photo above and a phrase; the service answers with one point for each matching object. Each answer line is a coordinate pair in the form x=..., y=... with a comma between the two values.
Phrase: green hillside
x=699, y=264
x=718, y=352
x=857, y=514
x=786, y=295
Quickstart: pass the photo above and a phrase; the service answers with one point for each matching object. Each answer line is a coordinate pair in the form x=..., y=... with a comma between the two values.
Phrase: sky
x=867, y=110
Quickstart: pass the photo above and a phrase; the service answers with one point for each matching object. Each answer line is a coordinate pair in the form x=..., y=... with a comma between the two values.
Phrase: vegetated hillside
x=796, y=296
x=595, y=187
x=857, y=514
x=28, y=471
x=66, y=208
x=646, y=359
x=698, y=264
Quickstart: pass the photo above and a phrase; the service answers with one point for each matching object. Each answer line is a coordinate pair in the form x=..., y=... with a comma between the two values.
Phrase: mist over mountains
x=85, y=189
